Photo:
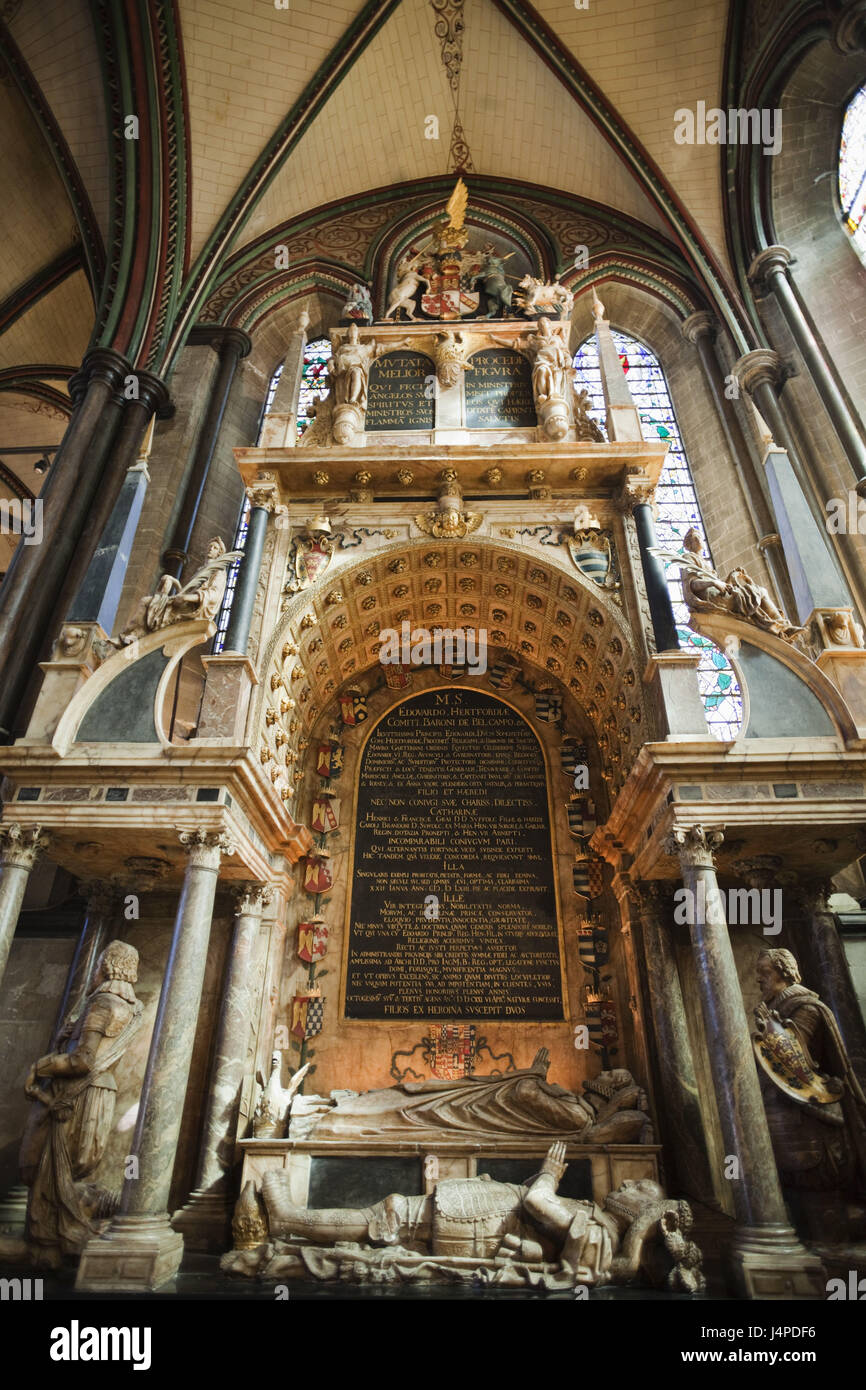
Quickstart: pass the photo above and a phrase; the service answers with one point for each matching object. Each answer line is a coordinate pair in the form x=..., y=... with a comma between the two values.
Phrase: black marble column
x=769, y=1260
x=657, y=591
x=682, y=1110
x=238, y=631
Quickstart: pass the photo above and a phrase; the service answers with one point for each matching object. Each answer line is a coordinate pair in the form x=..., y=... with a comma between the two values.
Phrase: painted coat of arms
x=312, y=939
x=581, y=817
x=307, y=1015
x=548, y=706
x=325, y=816
x=317, y=873
x=353, y=706
x=311, y=554
x=329, y=759
x=504, y=672
x=591, y=554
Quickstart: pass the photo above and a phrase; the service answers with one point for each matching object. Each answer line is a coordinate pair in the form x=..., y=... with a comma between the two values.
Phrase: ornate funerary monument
x=450, y=992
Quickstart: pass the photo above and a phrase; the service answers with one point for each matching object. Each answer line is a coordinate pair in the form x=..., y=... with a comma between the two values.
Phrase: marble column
x=140, y=1251
x=20, y=846
x=683, y=1122
x=768, y=1258
x=769, y=274
x=205, y=1219
x=825, y=966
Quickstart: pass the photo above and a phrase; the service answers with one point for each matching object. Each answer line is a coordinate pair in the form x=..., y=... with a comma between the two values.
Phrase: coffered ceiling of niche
x=518, y=120
x=558, y=627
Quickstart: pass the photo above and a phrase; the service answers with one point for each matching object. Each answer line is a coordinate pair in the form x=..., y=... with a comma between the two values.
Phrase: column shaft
x=238, y=631
x=168, y=1064
x=658, y=593
x=682, y=1108
x=20, y=848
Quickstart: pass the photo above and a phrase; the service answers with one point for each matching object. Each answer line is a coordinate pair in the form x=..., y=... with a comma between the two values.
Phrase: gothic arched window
x=852, y=170
x=315, y=382
x=677, y=510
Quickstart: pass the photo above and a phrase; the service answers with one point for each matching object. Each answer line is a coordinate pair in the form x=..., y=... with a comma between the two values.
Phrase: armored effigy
x=74, y=1091
x=816, y=1109
x=472, y=1230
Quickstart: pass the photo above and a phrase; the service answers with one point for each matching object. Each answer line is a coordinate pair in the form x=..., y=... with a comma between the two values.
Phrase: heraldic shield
x=312, y=939
x=353, y=706
x=780, y=1054
x=329, y=760
x=590, y=552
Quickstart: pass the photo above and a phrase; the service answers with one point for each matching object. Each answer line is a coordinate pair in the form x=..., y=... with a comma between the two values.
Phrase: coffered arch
x=567, y=632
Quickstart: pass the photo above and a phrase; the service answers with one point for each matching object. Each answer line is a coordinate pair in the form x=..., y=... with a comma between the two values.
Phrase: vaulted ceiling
x=256, y=121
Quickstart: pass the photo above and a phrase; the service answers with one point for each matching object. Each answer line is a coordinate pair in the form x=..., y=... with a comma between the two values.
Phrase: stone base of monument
x=135, y=1255
x=329, y=1172
x=205, y=1222
x=768, y=1262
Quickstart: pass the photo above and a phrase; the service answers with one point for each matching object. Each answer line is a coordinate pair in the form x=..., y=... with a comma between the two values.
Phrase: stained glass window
x=676, y=509
x=315, y=382
x=852, y=170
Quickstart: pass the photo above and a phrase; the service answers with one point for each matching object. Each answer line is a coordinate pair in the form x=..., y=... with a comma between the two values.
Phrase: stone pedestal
x=677, y=676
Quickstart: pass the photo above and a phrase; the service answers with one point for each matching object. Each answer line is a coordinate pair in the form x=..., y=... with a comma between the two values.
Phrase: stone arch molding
x=576, y=637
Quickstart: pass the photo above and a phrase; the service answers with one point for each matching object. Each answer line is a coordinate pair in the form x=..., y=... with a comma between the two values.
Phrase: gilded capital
x=694, y=846
x=263, y=492
x=206, y=847
x=21, y=845
x=252, y=898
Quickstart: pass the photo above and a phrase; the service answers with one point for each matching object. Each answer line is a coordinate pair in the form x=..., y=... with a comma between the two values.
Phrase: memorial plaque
x=499, y=391
x=400, y=392
x=453, y=910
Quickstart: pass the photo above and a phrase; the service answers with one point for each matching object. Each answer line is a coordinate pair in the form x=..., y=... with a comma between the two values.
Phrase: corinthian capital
x=251, y=898
x=694, y=846
x=264, y=491
x=206, y=847
x=21, y=845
